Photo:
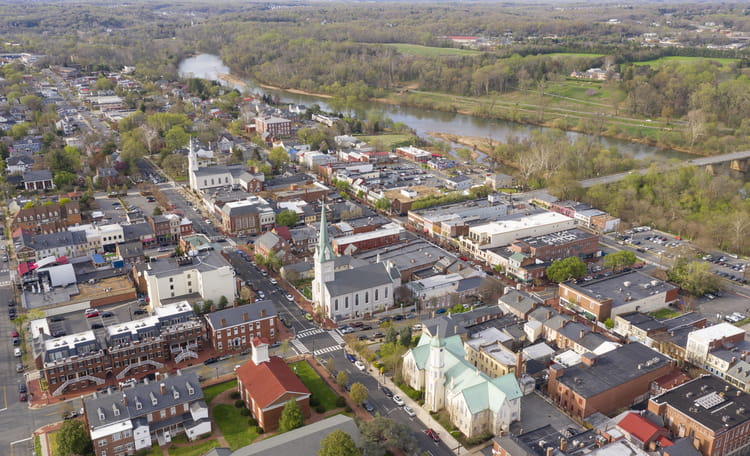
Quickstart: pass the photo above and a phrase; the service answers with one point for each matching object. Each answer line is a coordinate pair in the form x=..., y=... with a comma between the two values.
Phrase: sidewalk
x=423, y=415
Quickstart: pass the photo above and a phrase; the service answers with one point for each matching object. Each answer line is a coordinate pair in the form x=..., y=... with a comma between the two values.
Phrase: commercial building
x=348, y=245
x=710, y=412
x=276, y=126
x=127, y=421
x=620, y=293
x=49, y=218
x=248, y=216
x=556, y=246
x=608, y=382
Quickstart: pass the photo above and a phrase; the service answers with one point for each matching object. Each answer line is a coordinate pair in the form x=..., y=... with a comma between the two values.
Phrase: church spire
x=324, y=251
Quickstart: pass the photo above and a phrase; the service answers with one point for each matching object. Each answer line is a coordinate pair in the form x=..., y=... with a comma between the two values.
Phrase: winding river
x=208, y=66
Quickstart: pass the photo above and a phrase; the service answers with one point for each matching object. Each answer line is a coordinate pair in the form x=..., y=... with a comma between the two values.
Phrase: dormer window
x=175, y=393
x=100, y=413
x=138, y=405
x=190, y=389
x=115, y=410
x=153, y=398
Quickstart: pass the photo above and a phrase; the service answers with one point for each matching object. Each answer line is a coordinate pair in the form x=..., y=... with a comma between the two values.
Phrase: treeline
x=712, y=211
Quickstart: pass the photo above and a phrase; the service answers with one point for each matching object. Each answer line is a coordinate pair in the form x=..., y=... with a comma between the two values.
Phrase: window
x=173, y=411
x=385, y=292
x=367, y=297
x=162, y=413
x=376, y=294
x=346, y=302
x=356, y=299
x=336, y=305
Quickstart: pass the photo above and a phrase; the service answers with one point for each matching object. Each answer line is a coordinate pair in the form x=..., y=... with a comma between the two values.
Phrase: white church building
x=476, y=403
x=351, y=293
x=214, y=177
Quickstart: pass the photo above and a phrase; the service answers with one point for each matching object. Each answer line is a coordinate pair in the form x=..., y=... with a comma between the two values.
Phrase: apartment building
x=234, y=328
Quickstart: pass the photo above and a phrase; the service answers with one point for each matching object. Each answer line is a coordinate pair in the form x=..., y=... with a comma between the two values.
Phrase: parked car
x=91, y=313
x=107, y=314
x=139, y=312
x=359, y=365
x=17, y=352
x=409, y=411
x=367, y=406
x=432, y=434
x=210, y=361
x=397, y=399
x=289, y=297
x=387, y=392
x=19, y=367
x=273, y=281
x=56, y=318
x=351, y=358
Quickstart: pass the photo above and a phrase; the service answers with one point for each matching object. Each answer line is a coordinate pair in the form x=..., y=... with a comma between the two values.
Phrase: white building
x=204, y=276
x=352, y=293
x=503, y=232
x=703, y=341
x=476, y=403
x=213, y=176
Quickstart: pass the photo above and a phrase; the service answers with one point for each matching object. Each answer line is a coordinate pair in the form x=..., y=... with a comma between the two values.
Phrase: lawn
x=683, y=60
x=665, y=313
x=155, y=451
x=315, y=384
x=194, y=450
x=211, y=392
x=52, y=439
x=233, y=425
x=387, y=141
x=429, y=51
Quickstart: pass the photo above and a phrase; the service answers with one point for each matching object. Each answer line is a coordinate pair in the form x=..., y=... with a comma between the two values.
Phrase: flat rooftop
x=709, y=401
x=558, y=238
x=621, y=288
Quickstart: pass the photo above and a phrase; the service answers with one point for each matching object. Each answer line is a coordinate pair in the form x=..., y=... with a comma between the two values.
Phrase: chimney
x=262, y=312
x=581, y=333
x=519, y=364
x=550, y=451
x=223, y=322
x=549, y=314
x=124, y=399
x=519, y=298
x=163, y=388
x=563, y=444
x=245, y=316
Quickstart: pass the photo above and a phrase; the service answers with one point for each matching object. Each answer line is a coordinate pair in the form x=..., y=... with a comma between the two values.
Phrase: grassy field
x=665, y=313
x=315, y=384
x=388, y=141
x=233, y=425
x=575, y=55
x=683, y=60
x=427, y=51
x=194, y=450
x=212, y=391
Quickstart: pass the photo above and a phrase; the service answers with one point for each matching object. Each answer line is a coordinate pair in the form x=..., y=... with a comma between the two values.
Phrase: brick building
x=710, y=412
x=348, y=245
x=250, y=216
x=234, y=328
x=270, y=241
x=128, y=350
x=556, y=246
x=123, y=422
x=276, y=126
x=608, y=382
x=266, y=384
x=49, y=218
x=162, y=229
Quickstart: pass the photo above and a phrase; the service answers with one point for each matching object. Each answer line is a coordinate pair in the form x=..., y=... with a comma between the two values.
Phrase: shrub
x=252, y=422
x=340, y=401
x=235, y=395
x=239, y=403
x=320, y=408
x=259, y=430
x=245, y=412
x=348, y=409
x=314, y=402
x=481, y=438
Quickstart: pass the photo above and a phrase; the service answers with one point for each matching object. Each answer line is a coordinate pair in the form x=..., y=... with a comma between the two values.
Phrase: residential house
x=270, y=241
x=234, y=328
x=124, y=422
x=459, y=182
x=38, y=180
x=107, y=176
x=19, y=164
x=267, y=383
x=605, y=383
x=131, y=252
x=47, y=218
x=26, y=146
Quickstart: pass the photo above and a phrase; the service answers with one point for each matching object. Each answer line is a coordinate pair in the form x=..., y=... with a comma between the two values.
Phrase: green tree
x=104, y=84
x=291, y=416
x=63, y=179
x=695, y=277
x=619, y=260
x=391, y=336
x=404, y=336
x=223, y=301
x=568, y=268
x=338, y=443
x=287, y=217
x=358, y=393
x=157, y=211
x=72, y=439
x=279, y=157
x=609, y=323
x=383, y=204
x=176, y=138
x=342, y=379
x=380, y=434
x=207, y=306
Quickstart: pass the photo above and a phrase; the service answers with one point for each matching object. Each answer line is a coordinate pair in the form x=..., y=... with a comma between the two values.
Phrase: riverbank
x=296, y=91
x=231, y=79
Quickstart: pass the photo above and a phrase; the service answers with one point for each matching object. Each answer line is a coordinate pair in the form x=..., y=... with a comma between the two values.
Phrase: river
x=422, y=120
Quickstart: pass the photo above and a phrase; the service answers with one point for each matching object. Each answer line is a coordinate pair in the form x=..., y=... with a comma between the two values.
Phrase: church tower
x=323, y=266
x=192, y=165
x=434, y=377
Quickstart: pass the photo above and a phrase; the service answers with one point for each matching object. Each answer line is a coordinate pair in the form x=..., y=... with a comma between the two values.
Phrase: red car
x=92, y=313
x=14, y=334
x=432, y=434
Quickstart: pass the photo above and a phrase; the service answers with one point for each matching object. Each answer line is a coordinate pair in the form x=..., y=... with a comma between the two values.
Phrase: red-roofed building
x=266, y=384
x=642, y=432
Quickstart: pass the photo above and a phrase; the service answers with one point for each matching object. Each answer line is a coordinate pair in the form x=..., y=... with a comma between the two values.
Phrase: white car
x=274, y=281
x=290, y=297
x=397, y=399
x=409, y=411
x=359, y=365
x=17, y=352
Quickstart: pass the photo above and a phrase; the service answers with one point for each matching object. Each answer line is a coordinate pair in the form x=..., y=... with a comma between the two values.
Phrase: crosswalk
x=308, y=332
x=336, y=335
x=325, y=350
x=300, y=347
x=5, y=283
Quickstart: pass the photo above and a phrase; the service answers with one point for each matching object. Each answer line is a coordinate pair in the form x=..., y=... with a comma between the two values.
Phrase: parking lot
x=75, y=322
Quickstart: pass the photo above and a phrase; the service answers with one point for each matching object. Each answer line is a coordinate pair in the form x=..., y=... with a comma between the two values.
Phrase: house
x=620, y=293
x=348, y=245
x=414, y=154
x=270, y=241
x=206, y=275
x=713, y=414
x=604, y=383
x=266, y=384
x=518, y=302
x=19, y=164
x=107, y=176
x=130, y=420
x=130, y=252
x=355, y=292
x=249, y=216
x=26, y=146
x=49, y=218
x=559, y=245
x=38, y=180
x=34, y=247
x=499, y=181
x=703, y=346
x=459, y=182
x=476, y=403
x=234, y=328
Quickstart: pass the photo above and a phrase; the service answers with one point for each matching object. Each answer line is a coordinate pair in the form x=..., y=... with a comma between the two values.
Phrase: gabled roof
x=640, y=428
x=268, y=381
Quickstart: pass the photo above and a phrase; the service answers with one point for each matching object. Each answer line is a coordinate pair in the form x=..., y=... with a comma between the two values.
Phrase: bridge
x=738, y=161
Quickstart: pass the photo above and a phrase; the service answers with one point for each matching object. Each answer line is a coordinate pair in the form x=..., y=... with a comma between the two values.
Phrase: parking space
x=719, y=308
x=145, y=203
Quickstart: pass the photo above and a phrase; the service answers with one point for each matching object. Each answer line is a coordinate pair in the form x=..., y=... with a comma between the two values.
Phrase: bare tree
x=696, y=120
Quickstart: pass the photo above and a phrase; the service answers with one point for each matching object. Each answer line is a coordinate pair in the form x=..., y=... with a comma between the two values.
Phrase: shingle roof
x=35, y=176
x=269, y=380
x=233, y=316
x=352, y=280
